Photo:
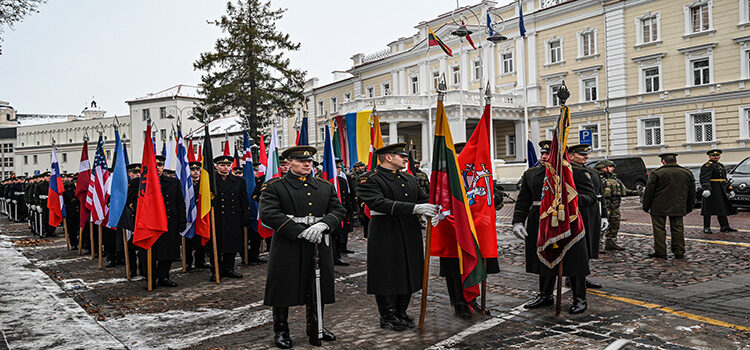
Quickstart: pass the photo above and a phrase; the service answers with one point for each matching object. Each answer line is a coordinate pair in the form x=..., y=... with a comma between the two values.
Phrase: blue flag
x=521, y=27
x=489, y=25
x=164, y=149
x=531, y=154
x=186, y=185
x=249, y=175
x=125, y=152
x=303, y=139
x=119, y=186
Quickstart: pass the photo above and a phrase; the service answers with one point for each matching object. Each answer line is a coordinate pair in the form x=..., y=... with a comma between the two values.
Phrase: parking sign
x=585, y=136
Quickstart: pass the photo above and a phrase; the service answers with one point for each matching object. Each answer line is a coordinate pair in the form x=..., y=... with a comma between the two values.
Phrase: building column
x=520, y=141
x=402, y=82
x=465, y=66
x=392, y=132
x=395, y=86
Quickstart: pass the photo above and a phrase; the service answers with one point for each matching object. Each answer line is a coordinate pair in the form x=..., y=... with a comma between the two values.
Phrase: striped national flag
x=186, y=184
x=99, y=186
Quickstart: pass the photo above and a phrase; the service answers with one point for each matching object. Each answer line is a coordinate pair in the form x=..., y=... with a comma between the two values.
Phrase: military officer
x=613, y=190
x=717, y=193
x=341, y=232
x=302, y=211
x=196, y=251
x=394, y=247
x=575, y=262
x=669, y=193
x=136, y=254
x=167, y=248
x=232, y=213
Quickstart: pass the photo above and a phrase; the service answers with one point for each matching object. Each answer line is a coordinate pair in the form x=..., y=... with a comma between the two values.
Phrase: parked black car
x=698, y=190
x=631, y=171
x=740, y=177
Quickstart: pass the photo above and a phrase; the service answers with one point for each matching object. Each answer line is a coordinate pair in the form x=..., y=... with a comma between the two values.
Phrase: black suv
x=631, y=171
x=740, y=177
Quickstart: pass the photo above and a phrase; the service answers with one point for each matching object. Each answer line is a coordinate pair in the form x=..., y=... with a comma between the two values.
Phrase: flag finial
x=441, y=88
x=487, y=94
x=563, y=93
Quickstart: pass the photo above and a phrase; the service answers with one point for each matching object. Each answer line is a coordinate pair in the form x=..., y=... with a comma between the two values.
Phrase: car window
x=742, y=168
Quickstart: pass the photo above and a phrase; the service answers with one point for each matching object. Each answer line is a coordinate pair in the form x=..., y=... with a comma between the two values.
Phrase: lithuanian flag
x=448, y=192
x=433, y=40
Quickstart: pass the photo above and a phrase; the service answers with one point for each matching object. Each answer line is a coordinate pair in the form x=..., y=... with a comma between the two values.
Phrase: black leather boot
x=281, y=327
x=311, y=318
x=578, y=288
x=456, y=296
x=544, y=298
x=387, y=310
x=402, y=303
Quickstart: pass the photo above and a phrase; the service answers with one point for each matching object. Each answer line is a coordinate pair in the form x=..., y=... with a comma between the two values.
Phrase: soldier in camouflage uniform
x=613, y=190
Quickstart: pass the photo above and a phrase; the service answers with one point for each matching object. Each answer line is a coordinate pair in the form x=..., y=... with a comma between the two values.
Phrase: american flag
x=99, y=186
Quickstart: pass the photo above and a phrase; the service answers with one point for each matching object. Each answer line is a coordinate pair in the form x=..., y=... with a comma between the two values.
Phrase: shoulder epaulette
x=363, y=178
x=265, y=184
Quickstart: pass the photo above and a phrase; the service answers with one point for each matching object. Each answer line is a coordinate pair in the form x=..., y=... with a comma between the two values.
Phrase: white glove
x=605, y=223
x=731, y=194
x=426, y=209
x=314, y=233
x=519, y=231
x=706, y=193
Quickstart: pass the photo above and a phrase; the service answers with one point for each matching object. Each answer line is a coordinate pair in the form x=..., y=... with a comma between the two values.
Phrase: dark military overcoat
x=592, y=214
x=395, y=253
x=167, y=247
x=670, y=191
x=231, y=212
x=291, y=265
x=713, y=177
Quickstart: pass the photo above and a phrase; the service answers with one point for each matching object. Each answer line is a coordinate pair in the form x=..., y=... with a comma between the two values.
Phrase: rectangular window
x=348, y=96
x=65, y=157
x=650, y=30
x=162, y=112
x=651, y=132
x=414, y=85
x=594, y=128
x=386, y=89
x=435, y=80
x=370, y=92
x=321, y=108
x=651, y=77
x=589, y=89
x=25, y=160
x=36, y=159
x=510, y=145
x=107, y=152
x=553, y=91
x=701, y=74
x=587, y=44
x=162, y=133
x=699, y=18
x=456, y=74
x=507, y=62
x=146, y=114
x=334, y=104
x=477, y=69
x=703, y=127
x=555, y=51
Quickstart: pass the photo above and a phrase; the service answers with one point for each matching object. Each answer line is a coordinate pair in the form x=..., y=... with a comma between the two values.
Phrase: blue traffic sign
x=584, y=137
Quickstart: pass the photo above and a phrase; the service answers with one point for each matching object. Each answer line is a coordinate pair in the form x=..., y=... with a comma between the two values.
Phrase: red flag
x=151, y=216
x=200, y=153
x=262, y=158
x=82, y=184
x=559, y=227
x=226, y=148
x=468, y=36
x=190, y=151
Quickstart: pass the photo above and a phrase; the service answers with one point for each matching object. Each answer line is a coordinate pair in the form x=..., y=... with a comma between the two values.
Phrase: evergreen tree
x=247, y=71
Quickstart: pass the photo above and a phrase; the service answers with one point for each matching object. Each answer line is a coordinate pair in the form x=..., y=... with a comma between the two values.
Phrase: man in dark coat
x=669, y=192
x=359, y=169
x=72, y=215
x=136, y=254
x=341, y=232
x=196, y=251
x=167, y=248
x=575, y=262
x=232, y=214
x=595, y=218
x=302, y=211
x=394, y=248
x=716, y=193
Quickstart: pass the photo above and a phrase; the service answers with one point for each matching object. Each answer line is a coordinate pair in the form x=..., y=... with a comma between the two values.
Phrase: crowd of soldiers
x=311, y=223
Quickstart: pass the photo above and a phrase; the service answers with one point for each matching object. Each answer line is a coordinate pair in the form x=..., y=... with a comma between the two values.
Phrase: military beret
x=714, y=152
x=395, y=148
x=223, y=160
x=134, y=167
x=299, y=152
x=544, y=146
x=359, y=164
x=169, y=171
x=667, y=154
x=604, y=163
x=580, y=148
x=160, y=160
x=195, y=165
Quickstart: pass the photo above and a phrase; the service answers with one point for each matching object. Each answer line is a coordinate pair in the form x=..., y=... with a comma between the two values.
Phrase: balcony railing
x=422, y=102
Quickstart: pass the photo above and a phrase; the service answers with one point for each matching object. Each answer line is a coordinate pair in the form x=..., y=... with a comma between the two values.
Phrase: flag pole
x=80, y=240
x=184, y=255
x=559, y=288
x=149, y=269
x=488, y=101
x=216, y=253
x=425, y=276
x=100, y=247
x=127, y=253
x=247, y=258
x=67, y=237
x=91, y=240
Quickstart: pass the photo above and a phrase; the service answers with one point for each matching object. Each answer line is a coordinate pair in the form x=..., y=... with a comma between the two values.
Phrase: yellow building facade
x=645, y=76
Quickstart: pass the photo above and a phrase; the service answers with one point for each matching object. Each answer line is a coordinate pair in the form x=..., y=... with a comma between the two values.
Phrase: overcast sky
x=55, y=61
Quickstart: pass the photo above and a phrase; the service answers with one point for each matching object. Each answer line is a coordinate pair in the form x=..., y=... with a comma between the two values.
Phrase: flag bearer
x=167, y=247
x=232, y=213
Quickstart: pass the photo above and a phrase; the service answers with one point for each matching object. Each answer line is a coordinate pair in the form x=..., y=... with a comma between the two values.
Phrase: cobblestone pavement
x=52, y=298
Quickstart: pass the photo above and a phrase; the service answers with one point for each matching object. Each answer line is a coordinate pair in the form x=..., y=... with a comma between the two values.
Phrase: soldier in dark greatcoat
x=341, y=233
x=302, y=211
x=196, y=251
x=575, y=262
x=717, y=193
x=72, y=214
x=136, y=254
x=394, y=247
x=232, y=214
x=167, y=248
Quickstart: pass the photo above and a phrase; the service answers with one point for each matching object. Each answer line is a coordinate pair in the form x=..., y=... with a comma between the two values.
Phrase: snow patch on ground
x=688, y=329
x=35, y=313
